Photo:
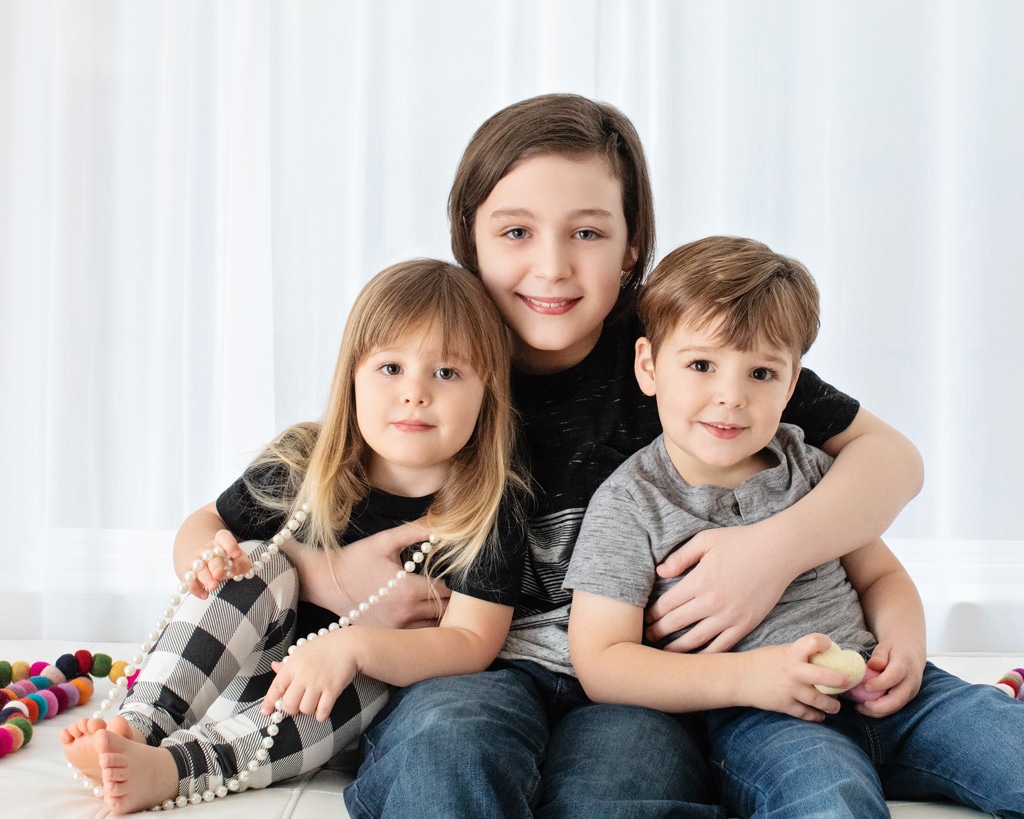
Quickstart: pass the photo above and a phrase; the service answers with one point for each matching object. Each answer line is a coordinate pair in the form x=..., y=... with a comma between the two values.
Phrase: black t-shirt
x=578, y=425
x=494, y=576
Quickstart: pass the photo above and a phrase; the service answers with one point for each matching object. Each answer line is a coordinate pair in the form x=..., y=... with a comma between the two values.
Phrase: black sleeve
x=819, y=409
x=243, y=516
x=496, y=574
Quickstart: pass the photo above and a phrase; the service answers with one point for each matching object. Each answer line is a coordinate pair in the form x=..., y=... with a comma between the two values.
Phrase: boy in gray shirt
x=727, y=322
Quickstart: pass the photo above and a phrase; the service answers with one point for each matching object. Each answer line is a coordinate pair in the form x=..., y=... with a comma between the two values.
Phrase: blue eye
x=516, y=233
x=588, y=234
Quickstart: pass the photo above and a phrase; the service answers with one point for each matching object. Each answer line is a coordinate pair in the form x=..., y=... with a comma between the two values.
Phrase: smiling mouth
x=549, y=306
x=722, y=430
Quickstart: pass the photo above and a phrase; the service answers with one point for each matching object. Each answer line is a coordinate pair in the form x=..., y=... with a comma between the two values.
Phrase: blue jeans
x=520, y=741
x=953, y=741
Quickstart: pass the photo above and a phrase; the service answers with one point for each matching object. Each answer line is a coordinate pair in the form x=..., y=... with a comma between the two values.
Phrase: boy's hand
x=782, y=678
x=312, y=679
x=723, y=595
x=222, y=548
x=341, y=579
x=900, y=667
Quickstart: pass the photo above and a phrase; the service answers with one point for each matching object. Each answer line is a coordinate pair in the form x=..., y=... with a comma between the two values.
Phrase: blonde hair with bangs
x=327, y=462
x=744, y=289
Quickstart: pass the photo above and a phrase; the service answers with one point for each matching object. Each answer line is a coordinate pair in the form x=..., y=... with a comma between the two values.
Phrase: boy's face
x=719, y=406
x=551, y=244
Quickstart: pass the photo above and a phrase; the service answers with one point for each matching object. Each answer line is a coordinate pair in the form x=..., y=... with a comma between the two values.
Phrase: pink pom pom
x=53, y=704
x=53, y=674
x=73, y=694
x=858, y=694
x=6, y=743
x=36, y=668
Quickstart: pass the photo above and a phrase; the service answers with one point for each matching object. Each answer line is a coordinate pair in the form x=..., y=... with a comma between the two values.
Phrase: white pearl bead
x=345, y=621
x=208, y=796
x=207, y=556
x=334, y=626
x=218, y=550
x=262, y=754
x=197, y=564
x=253, y=765
x=268, y=742
x=292, y=525
x=300, y=515
x=189, y=577
x=322, y=632
x=417, y=557
x=195, y=799
x=273, y=730
x=393, y=583
x=167, y=804
x=276, y=540
x=181, y=801
x=354, y=614
x=433, y=539
x=364, y=607
x=373, y=599
x=273, y=549
x=410, y=566
x=233, y=785
x=221, y=791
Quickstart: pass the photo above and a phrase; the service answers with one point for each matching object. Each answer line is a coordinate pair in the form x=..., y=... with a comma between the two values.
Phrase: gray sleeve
x=612, y=557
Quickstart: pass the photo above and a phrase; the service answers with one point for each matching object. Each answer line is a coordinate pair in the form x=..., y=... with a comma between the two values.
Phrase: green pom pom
x=5, y=673
x=101, y=665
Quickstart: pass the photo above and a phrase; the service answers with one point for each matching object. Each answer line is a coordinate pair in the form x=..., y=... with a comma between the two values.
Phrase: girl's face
x=551, y=243
x=415, y=409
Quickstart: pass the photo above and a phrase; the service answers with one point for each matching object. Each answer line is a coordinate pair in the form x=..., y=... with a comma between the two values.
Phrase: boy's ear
x=643, y=366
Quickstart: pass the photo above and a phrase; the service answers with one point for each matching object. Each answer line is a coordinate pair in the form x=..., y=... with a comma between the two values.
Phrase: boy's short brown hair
x=567, y=125
x=749, y=292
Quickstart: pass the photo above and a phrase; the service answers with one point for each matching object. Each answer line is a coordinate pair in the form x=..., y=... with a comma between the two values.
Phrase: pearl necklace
x=273, y=546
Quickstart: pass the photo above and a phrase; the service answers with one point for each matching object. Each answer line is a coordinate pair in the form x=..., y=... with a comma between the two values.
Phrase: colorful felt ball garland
x=30, y=692
x=1012, y=682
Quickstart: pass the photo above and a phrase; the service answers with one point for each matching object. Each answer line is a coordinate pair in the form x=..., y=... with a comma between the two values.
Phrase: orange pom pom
x=84, y=686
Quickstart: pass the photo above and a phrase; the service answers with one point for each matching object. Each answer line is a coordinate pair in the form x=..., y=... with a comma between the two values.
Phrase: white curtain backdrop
x=191, y=194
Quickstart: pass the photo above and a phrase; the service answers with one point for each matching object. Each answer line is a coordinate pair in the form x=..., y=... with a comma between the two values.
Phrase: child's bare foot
x=80, y=744
x=135, y=776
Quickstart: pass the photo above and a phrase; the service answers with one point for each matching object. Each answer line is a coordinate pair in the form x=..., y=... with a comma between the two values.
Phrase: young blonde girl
x=418, y=425
x=552, y=207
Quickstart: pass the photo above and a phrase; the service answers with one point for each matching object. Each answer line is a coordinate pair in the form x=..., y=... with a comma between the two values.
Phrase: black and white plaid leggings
x=200, y=688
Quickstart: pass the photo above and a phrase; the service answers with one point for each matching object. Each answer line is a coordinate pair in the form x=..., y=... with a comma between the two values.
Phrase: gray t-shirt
x=644, y=511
